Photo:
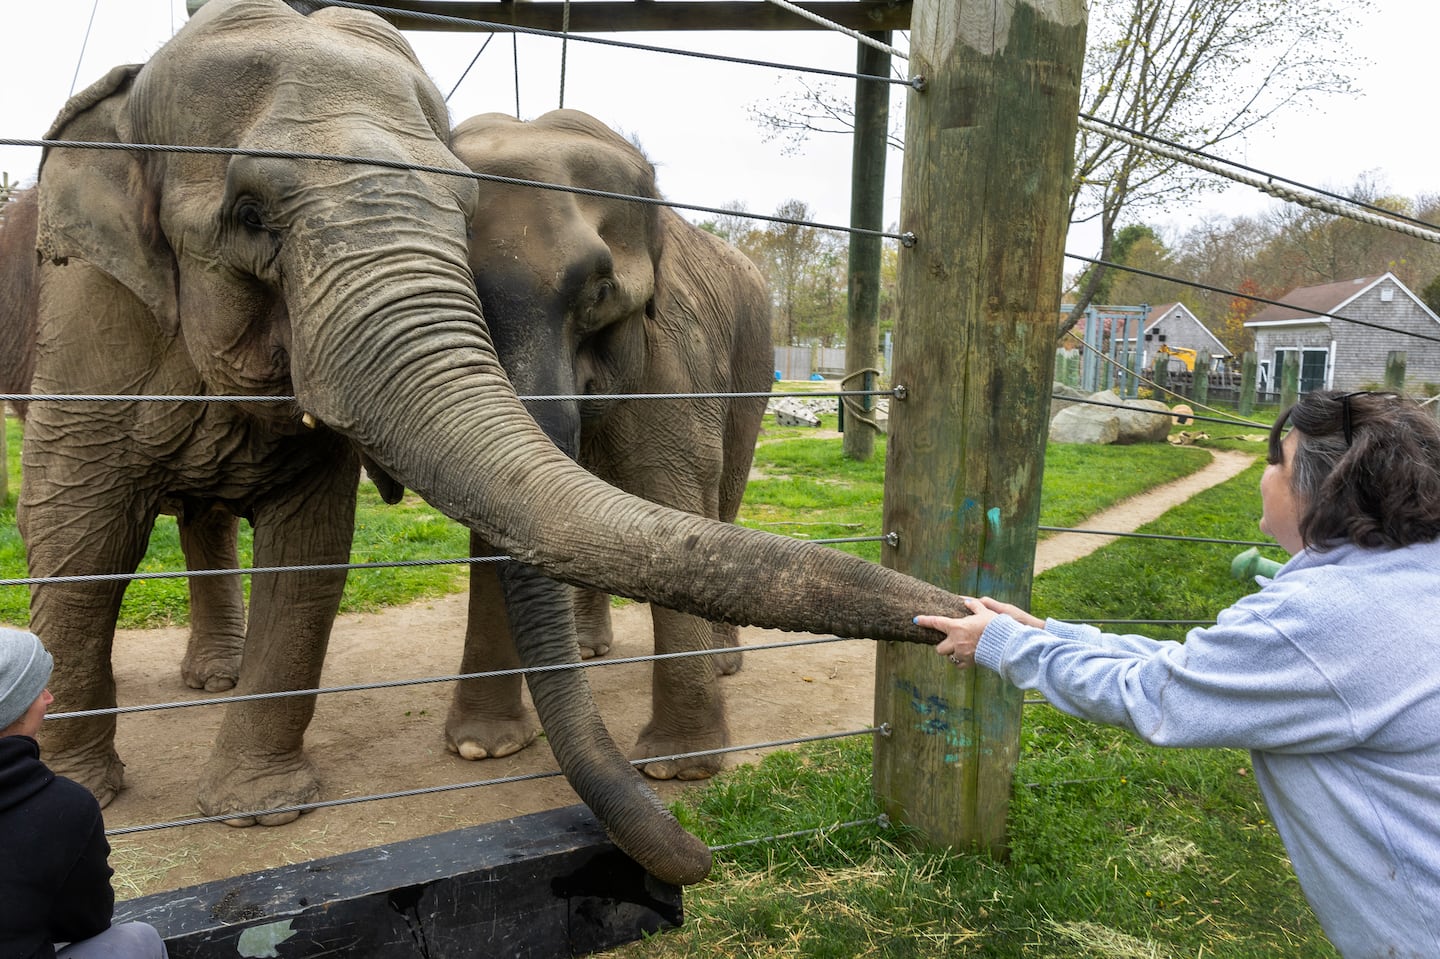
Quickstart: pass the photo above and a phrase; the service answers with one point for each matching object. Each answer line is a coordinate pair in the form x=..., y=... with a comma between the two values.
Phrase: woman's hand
x=962, y=635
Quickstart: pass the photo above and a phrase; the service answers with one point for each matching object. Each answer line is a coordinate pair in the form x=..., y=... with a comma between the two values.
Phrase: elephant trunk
x=540, y=610
x=401, y=362
x=425, y=396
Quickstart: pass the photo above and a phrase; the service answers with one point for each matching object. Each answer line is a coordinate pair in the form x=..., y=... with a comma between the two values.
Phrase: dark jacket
x=54, y=873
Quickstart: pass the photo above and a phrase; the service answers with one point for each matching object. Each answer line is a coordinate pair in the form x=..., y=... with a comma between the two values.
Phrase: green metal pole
x=867, y=211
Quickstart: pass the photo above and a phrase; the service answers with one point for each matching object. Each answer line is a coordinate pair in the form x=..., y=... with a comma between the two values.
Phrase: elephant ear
x=93, y=206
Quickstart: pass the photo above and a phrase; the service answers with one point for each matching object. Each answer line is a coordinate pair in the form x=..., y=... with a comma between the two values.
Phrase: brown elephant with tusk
x=348, y=286
x=587, y=293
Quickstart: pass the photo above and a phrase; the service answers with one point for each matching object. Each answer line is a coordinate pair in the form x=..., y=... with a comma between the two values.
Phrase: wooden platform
x=540, y=886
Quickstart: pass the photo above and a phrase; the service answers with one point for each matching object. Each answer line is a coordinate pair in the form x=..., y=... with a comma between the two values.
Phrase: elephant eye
x=603, y=291
x=249, y=214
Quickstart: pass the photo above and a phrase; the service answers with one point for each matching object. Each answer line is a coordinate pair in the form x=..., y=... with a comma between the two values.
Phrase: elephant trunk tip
x=686, y=865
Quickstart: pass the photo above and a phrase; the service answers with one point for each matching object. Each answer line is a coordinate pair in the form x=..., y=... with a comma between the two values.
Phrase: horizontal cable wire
x=882, y=821
x=1181, y=539
x=895, y=392
x=389, y=12
x=1170, y=413
x=1125, y=370
x=906, y=239
x=247, y=571
x=1196, y=284
x=595, y=663
x=452, y=787
x=332, y=567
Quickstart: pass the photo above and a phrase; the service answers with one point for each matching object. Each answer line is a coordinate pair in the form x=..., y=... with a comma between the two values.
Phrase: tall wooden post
x=1395, y=370
x=1289, y=373
x=1249, y=373
x=867, y=212
x=1200, y=383
x=988, y=158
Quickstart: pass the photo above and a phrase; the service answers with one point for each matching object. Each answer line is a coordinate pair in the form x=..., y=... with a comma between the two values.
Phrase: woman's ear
x=94, y=205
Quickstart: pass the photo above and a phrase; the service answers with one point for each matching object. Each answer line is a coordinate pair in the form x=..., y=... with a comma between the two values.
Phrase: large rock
x=1114, y=421
x=1062, y=397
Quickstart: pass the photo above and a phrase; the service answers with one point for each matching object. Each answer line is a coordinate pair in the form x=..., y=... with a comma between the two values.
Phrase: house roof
x=1164, y=310
x=1306, y=301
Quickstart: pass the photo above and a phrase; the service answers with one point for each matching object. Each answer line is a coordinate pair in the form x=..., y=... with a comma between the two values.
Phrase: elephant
x=208, y=536
x=588, y=294
x=248, y=254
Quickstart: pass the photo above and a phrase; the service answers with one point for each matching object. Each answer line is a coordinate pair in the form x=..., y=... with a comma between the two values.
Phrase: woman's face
x=1279, y=507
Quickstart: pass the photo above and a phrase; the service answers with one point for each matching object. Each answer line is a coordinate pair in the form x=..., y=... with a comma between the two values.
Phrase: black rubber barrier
x=546, y=885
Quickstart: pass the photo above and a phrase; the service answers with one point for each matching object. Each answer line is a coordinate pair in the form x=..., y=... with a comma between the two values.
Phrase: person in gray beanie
x=55, y=894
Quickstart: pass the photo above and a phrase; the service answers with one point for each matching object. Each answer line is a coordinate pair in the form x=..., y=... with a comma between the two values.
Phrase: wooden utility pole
x=988, y=158
x=867, y=212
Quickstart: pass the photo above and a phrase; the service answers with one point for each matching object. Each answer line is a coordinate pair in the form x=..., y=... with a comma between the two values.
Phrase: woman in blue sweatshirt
x=1329, y=675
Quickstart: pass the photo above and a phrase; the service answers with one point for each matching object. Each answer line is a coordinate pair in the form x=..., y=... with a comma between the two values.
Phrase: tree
x=1197, y=72
x=805, y=267
x=1431, y=294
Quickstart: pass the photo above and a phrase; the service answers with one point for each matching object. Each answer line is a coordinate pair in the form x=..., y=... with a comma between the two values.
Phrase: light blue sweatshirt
x=1330, y=676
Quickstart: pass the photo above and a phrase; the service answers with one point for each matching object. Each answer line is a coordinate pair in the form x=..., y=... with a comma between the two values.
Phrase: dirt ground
x=387, y=740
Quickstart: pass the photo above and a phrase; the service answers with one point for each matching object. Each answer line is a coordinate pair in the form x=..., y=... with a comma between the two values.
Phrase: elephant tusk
x=309, y=420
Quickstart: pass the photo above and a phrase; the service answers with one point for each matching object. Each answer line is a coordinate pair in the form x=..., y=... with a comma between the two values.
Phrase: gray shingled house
x=1338, y=354
x=1176, y=327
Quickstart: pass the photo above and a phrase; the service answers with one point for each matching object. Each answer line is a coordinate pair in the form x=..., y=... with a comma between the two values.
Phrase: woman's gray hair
x=1366, y=468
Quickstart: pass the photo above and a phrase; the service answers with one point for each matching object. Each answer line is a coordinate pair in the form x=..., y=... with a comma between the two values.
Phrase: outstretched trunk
x=403, y=366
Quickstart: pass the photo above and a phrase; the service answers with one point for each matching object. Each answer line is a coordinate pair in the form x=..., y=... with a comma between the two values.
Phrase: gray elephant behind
x=596, y=295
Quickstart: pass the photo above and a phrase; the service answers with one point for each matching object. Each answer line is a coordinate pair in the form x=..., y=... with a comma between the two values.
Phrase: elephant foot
x=652, y=743
x=214, y=672
x=474, y=739
x=104, y=777
x=591, y=648
x=237, y=787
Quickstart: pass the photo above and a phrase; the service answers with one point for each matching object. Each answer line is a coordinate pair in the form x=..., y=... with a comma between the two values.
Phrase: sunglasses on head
x=1346, y=423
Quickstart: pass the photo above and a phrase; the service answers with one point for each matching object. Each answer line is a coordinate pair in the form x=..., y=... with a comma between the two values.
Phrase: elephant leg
x=592, y=623
x=688, y=709
x=217, y=603
x=76, y=621
x=259, y=761
x=487, y=718
x=726, y=636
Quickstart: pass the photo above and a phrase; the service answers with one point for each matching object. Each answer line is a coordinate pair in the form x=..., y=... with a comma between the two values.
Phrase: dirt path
x=381, y=740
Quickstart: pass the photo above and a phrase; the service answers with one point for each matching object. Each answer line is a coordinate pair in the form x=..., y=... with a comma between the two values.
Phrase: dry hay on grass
x=1100, y=940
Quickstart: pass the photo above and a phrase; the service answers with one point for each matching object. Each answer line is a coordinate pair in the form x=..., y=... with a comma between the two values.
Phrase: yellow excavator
x=1180, y=353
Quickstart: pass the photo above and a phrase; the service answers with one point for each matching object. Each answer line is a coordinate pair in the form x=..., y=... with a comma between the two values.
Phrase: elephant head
x=347, y=285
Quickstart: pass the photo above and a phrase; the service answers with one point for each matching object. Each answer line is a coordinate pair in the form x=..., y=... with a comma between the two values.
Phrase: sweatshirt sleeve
x=87, y=901
x=1239, y=684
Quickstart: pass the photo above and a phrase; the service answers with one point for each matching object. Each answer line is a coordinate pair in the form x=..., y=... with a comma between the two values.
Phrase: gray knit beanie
x=24, y=670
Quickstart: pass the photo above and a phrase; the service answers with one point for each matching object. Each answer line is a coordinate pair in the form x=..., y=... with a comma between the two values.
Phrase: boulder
x=1085, y=424
x=1116, y=421
x=1062, y=397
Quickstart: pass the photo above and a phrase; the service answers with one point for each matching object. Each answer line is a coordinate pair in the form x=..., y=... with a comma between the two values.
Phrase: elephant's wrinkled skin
x=347, y=286
x=594, y=295
x=207, y=536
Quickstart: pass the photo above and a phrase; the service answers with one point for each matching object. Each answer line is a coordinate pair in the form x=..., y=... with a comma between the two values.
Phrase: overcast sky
x=692, y=115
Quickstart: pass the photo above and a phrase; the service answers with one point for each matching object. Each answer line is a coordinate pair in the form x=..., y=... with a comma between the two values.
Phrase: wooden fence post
x=1249, y=373
x=1289, y=377
x=1395, y=370
x=988, y=158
